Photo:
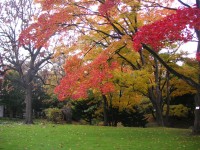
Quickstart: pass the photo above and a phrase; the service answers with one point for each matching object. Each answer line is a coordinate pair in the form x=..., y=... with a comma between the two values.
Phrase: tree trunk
x=11, y=115
x=157, y=104
x=28, y=101
x=111, y=113
x=159, y=116
x=105, y=111
x=167, y=100
x=188, y=80
x=67, y=112
x=196, y=128
x=158, y=96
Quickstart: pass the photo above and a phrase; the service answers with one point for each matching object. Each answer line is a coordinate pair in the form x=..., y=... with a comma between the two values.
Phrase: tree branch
x=129, y=62
x=180, y=1
x=186, y=79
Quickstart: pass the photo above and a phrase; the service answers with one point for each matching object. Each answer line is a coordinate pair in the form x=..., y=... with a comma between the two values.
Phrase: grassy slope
x=76, y=137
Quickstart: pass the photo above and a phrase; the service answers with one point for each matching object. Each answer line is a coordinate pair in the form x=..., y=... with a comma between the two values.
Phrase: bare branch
x=180, y=1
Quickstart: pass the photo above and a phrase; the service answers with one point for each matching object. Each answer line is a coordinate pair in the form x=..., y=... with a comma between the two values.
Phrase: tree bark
x=196, y=128
x=159, y=116
x=155, y=96
x=167, y=99
x=105, y=111
x=28, y=101
x=157, y=104
x=158, y=96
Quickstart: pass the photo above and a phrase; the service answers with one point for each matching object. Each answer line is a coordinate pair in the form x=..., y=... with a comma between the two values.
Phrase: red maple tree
x=83, y=76
x=173, y=28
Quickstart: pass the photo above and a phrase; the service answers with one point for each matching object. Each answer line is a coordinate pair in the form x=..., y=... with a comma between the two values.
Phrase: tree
x=27, y=59
x=133, y=118
x=168, y=30
x=12, y=95
x=106, y=31
x=85, y=109
x=95, y=75
x=2, y=73
x=39, y=98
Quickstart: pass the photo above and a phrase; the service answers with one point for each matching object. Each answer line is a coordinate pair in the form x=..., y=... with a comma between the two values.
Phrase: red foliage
x=47, y=4
x=81, y=77
x=170, y=29
x=47, y=25
x=198, y=56
x=107, y=6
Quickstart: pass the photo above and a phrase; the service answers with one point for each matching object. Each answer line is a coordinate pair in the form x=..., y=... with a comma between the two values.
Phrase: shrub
x=54, y=114
x=133, y=118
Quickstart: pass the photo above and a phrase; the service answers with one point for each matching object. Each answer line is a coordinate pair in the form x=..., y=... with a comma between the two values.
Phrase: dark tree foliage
x=39, y=98
x=12, y=96
x=133, y=118
x=188, y=101
x=85, y=109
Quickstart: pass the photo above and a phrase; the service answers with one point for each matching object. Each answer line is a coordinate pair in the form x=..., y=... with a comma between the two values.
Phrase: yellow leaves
x=182, y=87
x=60, y=50
x=137, y=80
x=91, y=56
x=127, y=100
x=128, y=40
x=177, y=110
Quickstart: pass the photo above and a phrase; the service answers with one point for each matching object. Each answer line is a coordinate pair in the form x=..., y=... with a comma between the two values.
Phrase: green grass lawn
x=17, y=136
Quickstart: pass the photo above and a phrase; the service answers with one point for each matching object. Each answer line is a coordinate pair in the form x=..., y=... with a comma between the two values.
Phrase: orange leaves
x=47, y=4
x=81, y=77
x=40, y=32
x=107, y=88
x=72, y=64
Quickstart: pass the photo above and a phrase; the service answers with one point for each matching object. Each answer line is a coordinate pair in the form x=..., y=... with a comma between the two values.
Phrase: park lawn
x=18, y=136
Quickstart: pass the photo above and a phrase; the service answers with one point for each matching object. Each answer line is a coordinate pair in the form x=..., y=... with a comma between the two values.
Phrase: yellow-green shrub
x=54, y=114
x=177, y=110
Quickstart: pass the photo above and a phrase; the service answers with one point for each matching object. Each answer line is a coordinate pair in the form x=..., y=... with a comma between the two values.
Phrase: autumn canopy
x=157, y=35
x=173, y=28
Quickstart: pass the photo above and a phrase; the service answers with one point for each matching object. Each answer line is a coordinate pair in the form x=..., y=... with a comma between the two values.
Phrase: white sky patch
x=189, y=47
x=188, y=2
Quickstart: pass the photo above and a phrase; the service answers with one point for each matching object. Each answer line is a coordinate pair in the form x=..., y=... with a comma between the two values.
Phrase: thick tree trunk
x=67, y=112
x=28, y=101
x=157, y=104
x=105, y=111
x=158, y=96
x=196, y=128
x=159, y=110
x=159, y=116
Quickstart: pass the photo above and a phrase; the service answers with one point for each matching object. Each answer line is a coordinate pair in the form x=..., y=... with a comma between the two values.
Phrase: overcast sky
x=191, y=47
